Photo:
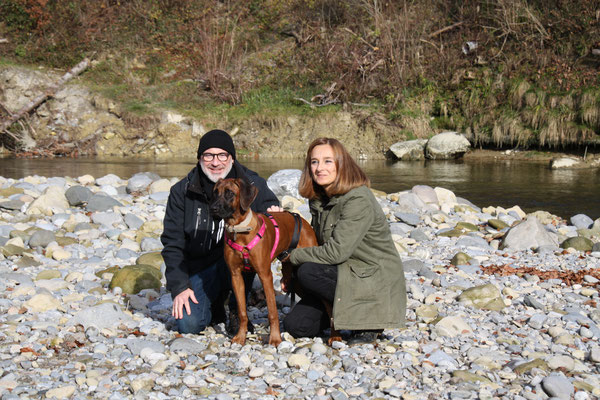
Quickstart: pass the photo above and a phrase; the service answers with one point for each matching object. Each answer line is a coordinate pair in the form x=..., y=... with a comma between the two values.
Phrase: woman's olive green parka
x=354, y=234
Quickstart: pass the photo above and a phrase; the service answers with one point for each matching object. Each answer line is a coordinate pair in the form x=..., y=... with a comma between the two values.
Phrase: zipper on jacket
x=198, y=213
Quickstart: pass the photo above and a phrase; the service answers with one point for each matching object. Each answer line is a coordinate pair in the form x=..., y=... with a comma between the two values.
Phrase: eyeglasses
x=208, y=157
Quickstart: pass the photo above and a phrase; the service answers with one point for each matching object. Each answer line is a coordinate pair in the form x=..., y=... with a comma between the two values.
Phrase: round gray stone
x=558, y=386
x=101, y=202
x=78, y=195
x=41, y=238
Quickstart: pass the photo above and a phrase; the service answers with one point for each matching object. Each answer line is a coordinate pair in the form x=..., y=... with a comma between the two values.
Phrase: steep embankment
x=504, y=72
x=78, y=120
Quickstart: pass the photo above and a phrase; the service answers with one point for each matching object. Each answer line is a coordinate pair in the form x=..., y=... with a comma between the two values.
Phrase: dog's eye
x=229, y=194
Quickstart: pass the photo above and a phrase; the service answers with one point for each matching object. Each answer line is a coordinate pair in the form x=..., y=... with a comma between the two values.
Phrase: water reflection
x=532, y=186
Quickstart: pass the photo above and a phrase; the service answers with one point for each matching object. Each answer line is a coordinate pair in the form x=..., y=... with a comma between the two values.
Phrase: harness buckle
x=283, y=255
x=246, y=263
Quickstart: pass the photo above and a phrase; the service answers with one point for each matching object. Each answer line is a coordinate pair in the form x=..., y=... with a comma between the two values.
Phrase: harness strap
x=295, y=237
x=297, y=229
x=285, y=253
x=245, y=250
x=276, y=226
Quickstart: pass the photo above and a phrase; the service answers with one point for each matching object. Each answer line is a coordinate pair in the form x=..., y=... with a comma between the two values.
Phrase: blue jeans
x=210, y=285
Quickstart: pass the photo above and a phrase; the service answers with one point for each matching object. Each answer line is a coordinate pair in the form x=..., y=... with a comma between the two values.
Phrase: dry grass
x=589, y=102
x=535, y=117
x=561, y=130
x=591, y=117
x=518, y=91
x=509, y=130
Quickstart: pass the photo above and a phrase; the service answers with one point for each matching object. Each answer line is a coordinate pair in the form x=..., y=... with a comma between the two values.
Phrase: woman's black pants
x=308, y=318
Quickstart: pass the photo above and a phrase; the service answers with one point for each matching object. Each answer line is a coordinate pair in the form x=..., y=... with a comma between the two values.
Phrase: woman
x=356, y=267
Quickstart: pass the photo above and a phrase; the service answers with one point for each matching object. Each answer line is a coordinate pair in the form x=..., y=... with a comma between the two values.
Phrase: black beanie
x=216, y=138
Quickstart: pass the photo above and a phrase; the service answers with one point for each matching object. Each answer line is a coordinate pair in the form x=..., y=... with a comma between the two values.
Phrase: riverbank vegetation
x=505, y=72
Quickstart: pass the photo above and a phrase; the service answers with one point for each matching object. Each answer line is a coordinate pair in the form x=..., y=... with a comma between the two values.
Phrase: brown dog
x=231, y=202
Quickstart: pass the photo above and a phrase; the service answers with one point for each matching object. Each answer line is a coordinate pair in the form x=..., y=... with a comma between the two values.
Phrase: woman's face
x=322, y=165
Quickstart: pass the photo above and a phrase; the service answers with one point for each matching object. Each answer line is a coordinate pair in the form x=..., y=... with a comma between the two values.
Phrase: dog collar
x=245, y=250
x=242, y=227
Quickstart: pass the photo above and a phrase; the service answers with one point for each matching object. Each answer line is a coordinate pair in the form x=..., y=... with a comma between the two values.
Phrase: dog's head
x=232, y=199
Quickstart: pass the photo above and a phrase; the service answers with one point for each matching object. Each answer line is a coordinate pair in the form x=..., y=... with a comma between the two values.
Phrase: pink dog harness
x=245, y=250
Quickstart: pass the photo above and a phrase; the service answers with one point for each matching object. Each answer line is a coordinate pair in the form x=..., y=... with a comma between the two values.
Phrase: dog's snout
x=218, y=207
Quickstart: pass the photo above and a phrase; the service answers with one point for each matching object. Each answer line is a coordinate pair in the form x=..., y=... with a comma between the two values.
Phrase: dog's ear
x=248, y=193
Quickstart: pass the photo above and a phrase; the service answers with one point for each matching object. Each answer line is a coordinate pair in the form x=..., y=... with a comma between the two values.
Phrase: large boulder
x=110, y=179
x=134, y=278
x=105, y=315
x=426, y=193
x=101, y=202
x=563, y=162
x=409, y=150
x=154, y=259
x=409, y=202
x=52, y=201
x=445, y=197
x=161, y=185
x=446, y=146
x=140, y=182
x=485, y=297
x=581, y=221
x=578, y=243
x=527, y=235
x=78, y=195
x=285, y=183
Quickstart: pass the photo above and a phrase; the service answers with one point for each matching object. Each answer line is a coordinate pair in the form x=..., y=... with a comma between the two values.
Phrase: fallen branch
x=361, y=39
x=310, y=103
x=447, y=28
x=7, y=111
x=76, y=70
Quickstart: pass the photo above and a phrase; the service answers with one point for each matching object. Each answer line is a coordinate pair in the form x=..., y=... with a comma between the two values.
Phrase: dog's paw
x=239, y=339
x=275, y=340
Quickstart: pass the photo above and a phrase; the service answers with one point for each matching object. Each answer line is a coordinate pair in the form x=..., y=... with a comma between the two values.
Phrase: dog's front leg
x=266, y=278
x=237, y=283
x=334, y=336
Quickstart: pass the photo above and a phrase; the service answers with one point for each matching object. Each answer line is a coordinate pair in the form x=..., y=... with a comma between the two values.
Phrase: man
x=196, y=272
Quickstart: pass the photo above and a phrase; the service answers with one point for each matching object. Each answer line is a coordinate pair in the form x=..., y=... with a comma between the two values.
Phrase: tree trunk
x=76, y=70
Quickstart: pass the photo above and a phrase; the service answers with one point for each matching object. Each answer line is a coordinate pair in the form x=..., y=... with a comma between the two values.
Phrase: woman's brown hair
x=349, y=174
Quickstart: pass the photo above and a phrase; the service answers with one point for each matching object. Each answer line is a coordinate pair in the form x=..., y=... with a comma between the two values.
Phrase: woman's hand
x=275, y=209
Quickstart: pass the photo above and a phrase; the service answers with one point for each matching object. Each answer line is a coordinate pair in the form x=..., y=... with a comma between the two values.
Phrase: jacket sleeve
x=356, y=217
x=266, y=198
x=173, y=240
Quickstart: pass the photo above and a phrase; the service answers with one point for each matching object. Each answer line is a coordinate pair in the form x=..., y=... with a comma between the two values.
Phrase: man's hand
x=183, y=300
x=275, y=209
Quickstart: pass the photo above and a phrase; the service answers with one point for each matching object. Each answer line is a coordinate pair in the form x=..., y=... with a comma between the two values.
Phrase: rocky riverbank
x=500, y=304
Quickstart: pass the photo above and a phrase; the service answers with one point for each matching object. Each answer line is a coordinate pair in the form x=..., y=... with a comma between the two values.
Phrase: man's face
x=215, y=163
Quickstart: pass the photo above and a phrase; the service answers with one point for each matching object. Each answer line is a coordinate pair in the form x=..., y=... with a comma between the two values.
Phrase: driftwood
x=322, y=100
x=444, y=29
x=76, y=70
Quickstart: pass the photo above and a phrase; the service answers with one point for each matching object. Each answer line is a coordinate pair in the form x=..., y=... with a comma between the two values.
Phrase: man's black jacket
x=192, y=240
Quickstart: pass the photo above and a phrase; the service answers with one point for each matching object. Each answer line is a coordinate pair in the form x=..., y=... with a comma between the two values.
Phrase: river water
x=530, y=185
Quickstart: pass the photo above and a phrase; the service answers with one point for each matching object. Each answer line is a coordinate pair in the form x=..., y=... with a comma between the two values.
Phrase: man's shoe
x=233, y=325
x=363, y=337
